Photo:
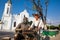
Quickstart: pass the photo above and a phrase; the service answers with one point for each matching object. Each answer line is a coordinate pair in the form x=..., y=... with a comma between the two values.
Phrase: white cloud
x=53, y=22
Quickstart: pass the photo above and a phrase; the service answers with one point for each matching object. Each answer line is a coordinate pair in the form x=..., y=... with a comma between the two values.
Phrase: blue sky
x=18, y=6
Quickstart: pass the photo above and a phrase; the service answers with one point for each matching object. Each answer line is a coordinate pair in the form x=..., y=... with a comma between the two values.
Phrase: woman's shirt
x=37, y=23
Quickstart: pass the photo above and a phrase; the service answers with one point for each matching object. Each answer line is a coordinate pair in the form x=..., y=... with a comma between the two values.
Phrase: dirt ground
x=56, y=38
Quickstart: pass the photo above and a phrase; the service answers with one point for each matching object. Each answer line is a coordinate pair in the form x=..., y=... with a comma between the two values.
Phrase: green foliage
x=59, y=26
x=51, y=27
x=54, y=27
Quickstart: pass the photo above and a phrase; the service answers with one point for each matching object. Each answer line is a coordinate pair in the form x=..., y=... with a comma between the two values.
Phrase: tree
x=59, y=26
x=37, y=6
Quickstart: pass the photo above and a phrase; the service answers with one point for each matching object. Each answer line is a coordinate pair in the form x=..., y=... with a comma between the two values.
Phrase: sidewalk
x=6, y=33
x=56, y=38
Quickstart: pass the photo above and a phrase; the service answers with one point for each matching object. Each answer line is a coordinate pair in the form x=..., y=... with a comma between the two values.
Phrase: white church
x=9, y=21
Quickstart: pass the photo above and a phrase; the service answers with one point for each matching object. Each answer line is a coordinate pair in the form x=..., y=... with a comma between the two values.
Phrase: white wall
x=0, y=26
x=7, y=23
x=8, y=20
x=19, y=18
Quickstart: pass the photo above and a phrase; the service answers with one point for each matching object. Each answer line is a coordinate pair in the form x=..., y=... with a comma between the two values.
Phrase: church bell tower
x=6, y=17
x=7, y=8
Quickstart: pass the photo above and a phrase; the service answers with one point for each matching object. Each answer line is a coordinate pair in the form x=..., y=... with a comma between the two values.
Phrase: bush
x=52, y=27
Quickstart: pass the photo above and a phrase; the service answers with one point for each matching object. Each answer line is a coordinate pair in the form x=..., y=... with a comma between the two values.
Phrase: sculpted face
x=25, y=20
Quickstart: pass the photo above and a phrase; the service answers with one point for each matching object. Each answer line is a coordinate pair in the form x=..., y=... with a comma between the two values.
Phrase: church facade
x=9, y=21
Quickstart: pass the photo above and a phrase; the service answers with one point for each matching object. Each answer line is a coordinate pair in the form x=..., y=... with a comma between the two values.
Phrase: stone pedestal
x=6, y=38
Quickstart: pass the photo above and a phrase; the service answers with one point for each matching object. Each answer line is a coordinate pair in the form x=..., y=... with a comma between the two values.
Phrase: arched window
x=14, y=24
x=7, y=10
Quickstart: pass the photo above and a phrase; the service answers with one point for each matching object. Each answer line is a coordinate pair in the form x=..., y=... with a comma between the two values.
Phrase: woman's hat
x=36, y=15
